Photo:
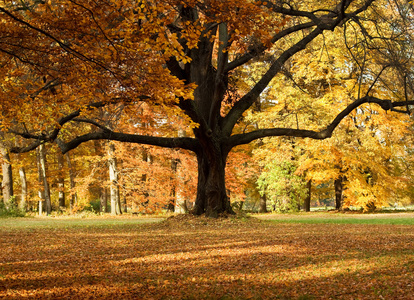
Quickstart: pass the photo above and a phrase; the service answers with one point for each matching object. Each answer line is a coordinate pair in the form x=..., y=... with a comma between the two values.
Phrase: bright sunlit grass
x=341, y=218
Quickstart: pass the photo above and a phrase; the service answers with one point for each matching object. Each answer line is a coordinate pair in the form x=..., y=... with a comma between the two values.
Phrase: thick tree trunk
x=338, y=192
x=7, y=183
x=263, y=204
x=211, y=190
x=308, y=196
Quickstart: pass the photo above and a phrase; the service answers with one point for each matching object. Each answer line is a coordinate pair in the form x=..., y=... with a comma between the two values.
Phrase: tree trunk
x=338, y=192
x=124, y=202
x=7, y=183
x=263, y=204
x=180, y=201
x=43, y=170
x=23, y=181
x=61, y=180
x=308, y=196
x=40, y=178
x=113, y=178
x=171, y=204
x=211, y=189
x=74, y=196
x=103, y=200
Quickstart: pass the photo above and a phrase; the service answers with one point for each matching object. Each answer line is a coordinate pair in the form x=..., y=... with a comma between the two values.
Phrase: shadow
x=264, y=261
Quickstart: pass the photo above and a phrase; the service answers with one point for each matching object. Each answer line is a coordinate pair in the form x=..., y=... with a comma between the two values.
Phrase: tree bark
x=307, y=201
x=103, y=197
x=124, y=202
x=338, y=192
x=43, y=170
x=44, y=192
x=174, y=179
x=61, y=181
x=113, y=178
x=23, y=182
x=263, y=204
x=74, y=196
x=180, y=201
x=7, y=183
x=211, y=189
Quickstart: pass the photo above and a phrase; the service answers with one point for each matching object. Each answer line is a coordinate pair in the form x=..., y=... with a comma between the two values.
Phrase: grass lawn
x=341, y=218
x=303, y=256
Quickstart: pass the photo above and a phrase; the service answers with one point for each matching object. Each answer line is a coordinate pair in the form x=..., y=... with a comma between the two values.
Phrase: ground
x=319, y=256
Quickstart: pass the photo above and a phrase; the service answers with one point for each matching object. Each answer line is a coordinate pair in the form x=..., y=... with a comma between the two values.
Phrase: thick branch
x=240, y=139
x=51, y=136
x=183, y=143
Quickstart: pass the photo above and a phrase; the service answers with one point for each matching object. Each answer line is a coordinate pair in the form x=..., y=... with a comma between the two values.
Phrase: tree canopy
x=76, y=71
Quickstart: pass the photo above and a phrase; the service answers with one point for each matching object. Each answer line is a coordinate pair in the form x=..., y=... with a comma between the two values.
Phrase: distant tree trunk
x=43, y=171
x=263, y=204
x=74, y=196
x=103, y=197
x=61, y=180
x=146, y=158
x=180, y=201
x=308, y=196
x=23, y=181
x=122, y=200
x=171, y=204
x=41, y=186
x=113, y=178
x=338, y=192
x=7, y=183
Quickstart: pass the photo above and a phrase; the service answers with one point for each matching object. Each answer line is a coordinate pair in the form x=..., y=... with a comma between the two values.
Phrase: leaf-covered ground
x=198, y=258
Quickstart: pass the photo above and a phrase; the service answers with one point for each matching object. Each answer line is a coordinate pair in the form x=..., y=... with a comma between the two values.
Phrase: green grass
x=340, y=218
x=66, y=222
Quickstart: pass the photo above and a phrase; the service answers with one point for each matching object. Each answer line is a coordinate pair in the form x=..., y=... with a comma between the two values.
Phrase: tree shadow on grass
x=206, y=262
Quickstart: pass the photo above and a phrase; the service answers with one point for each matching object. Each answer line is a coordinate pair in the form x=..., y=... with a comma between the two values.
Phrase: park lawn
x=198, y=258
x=399, y=218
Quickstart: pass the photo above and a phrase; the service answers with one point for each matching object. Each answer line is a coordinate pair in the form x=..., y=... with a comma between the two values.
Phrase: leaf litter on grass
x=188, y=257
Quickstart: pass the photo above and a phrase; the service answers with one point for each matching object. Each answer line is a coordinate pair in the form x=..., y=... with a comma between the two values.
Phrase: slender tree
x=7, y=183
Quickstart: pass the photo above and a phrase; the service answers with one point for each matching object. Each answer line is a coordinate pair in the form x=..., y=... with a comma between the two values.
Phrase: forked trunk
x=211, y=198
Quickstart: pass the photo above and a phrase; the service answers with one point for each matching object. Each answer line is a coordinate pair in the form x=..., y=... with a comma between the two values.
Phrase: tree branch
x=240, y=139
x=257, y=50
x=247, y=100
x=183, y=143
x=325, y=22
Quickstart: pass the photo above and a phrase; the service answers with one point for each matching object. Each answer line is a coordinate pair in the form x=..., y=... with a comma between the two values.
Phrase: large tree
x=63, y=59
